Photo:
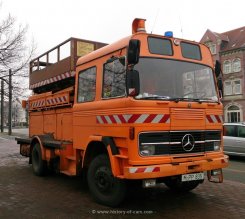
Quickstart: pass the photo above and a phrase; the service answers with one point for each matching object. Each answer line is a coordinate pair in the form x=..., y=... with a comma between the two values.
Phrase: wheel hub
x=104, y=179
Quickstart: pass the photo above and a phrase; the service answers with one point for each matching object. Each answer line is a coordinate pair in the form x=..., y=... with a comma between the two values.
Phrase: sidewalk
x=16, y=132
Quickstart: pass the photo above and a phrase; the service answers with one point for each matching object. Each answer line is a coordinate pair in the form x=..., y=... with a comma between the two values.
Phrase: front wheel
x=105, y=188
x=176, y=185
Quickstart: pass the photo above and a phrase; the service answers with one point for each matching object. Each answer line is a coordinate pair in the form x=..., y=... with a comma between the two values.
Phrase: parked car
x=234, y=139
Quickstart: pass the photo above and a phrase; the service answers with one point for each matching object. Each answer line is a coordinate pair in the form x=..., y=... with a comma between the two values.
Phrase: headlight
x=147, y=150
x=216, y=145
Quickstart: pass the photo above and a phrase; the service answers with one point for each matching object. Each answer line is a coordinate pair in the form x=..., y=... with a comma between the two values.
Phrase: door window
x=86, y=85
x=114, y=78
x=241, y=131
x=230, y=130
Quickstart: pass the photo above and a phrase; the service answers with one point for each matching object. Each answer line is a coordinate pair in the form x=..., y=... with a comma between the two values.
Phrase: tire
x=176, y=185
x=104, y=187
x=39, y=166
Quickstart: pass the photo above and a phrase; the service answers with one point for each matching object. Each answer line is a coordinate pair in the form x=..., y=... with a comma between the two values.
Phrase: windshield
x=175, y=80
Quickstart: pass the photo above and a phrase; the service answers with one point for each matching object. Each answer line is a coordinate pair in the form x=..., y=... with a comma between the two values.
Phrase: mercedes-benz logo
x=188, y=142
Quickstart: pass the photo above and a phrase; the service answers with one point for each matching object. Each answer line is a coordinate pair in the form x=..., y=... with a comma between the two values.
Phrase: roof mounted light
x=169, y=34
x=138, y=25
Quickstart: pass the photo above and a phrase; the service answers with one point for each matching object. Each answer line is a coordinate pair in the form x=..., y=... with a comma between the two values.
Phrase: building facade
x=229, y=49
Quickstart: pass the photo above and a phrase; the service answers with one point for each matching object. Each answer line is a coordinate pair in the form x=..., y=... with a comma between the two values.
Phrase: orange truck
x=145, y=108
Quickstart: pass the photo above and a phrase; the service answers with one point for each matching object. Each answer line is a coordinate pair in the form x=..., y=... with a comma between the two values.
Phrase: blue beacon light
x=169, y=34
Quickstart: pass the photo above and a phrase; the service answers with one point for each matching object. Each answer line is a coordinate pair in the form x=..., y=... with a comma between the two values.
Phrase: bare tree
x=15, y=53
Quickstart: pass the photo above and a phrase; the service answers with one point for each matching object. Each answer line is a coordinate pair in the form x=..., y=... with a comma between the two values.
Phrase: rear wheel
x=176, y=185
x=105, y=188
x=39, y=166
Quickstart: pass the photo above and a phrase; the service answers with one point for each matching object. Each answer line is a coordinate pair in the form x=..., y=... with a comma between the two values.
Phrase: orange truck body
x=74, y=132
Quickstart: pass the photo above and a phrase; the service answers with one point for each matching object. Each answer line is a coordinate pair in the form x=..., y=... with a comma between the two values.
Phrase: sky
x=51, y=22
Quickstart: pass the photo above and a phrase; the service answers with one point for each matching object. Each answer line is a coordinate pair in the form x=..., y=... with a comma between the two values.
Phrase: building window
x=236, y=65
x=233, y=114
x=212, y=47
x=114, y=79
x=227, y=67
x=232, y=87
x=87, y=85
x=227, y=88
x=237, y=87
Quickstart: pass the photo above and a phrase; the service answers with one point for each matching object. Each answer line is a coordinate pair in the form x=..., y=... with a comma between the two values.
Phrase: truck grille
x=171, y=142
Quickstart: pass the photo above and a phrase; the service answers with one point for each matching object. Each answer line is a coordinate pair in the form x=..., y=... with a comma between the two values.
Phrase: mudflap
x=25, y=150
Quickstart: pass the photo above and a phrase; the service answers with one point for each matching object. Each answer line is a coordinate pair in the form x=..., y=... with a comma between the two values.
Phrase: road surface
x=23, y=195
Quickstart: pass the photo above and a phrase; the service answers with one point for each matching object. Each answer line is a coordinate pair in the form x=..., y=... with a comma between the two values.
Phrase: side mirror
x=219, y=77
x=133, y=52
x=217, y=68
x=132, y=83
x=220, y=86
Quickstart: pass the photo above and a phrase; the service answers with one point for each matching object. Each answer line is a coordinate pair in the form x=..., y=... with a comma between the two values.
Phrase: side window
x=230, y=130
x=241, y=131
x=87, y=85
x=114, y=79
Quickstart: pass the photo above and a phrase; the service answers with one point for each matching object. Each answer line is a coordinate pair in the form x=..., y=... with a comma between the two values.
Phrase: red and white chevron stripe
x=144, y=169
x=48, y=102
x=133, y=118
x=38, y=103
x=53, y=79
x=56, y=100
x=214, y=118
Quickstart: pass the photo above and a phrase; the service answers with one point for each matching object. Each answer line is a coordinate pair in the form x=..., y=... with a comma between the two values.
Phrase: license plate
x=149, y=183
x=192, y=177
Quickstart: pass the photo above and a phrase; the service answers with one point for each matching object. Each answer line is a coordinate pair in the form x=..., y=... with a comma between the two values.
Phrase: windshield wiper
x=177, y=99
x=209, y=100
x=155, y=98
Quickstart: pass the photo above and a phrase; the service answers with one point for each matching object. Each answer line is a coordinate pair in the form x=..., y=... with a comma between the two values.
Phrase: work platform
x=55, y=69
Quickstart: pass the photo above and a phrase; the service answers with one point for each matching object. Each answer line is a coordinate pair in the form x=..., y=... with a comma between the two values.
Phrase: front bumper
x=172, y=169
